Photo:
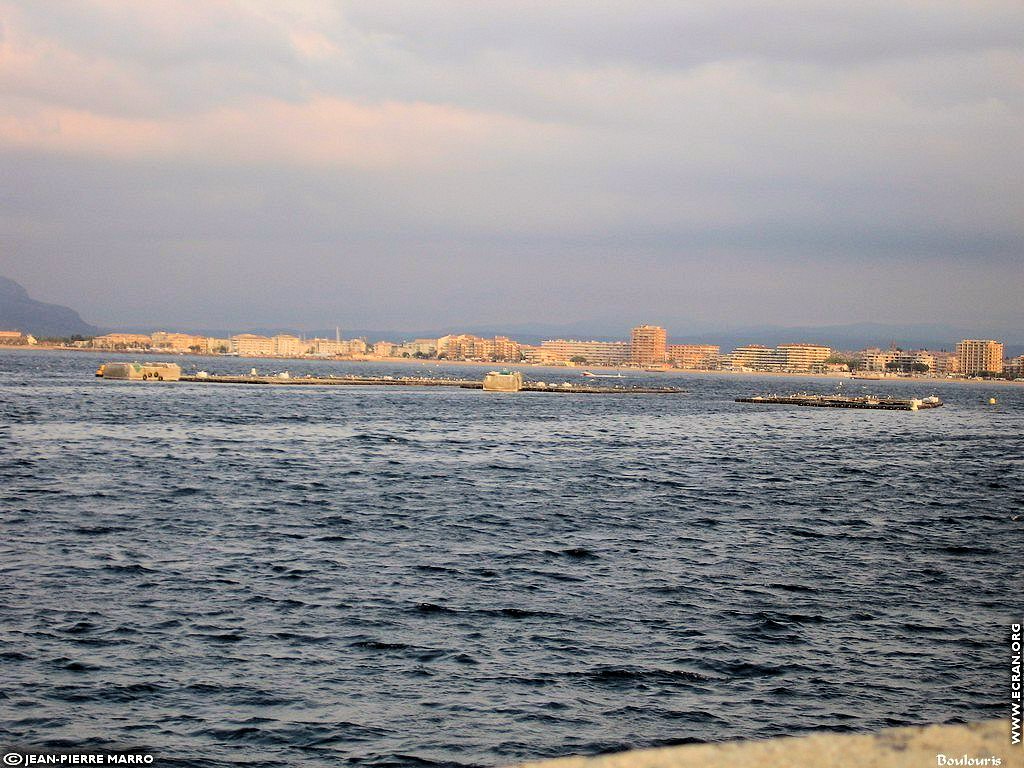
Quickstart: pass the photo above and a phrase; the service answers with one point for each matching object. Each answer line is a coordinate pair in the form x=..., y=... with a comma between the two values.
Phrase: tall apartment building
x=649, y=345
x=693, y=355
x=609, y=353
x=980, y=355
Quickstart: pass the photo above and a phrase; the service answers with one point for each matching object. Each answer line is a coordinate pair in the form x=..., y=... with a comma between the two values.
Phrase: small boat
x=591, y=375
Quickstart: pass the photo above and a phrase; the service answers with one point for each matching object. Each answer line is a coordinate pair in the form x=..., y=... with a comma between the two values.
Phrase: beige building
x=756, y=357
x=802, y=357
x=286, y=345
x=874, y=359
x=1015, y=367
x=980, y=355
x=123, y=341
x=608, y=353
x=385, y=349
x=908, y=361
x=466, y=346
x=327, y=347
x=251, y=345
x=532, y=353
x=946, y=363
x=462, y=346
x=178, y=342
x=355, y=347
x=916, y=361
x=693, y=355
x=503, y=349
x=14, y=338
x=213, y=346
x=648, y=345
x=421, y=347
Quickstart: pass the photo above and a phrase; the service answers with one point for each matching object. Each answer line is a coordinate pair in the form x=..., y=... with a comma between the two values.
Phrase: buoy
x=991, y=401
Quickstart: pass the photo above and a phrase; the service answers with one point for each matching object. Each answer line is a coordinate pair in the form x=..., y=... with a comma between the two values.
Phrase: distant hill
x=20, y=312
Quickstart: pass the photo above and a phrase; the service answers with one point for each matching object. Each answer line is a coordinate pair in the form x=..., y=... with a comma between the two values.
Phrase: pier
x=410, y=381
x=845, y=401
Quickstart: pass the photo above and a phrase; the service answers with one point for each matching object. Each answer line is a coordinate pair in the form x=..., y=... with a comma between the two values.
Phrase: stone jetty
x=411, y=381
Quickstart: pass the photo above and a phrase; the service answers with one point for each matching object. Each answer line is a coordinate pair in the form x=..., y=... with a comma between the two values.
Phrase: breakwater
x=844, y=401
x=391, y=381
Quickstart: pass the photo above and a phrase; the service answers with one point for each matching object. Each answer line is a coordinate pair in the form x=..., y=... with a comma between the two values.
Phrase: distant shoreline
x=518, y=365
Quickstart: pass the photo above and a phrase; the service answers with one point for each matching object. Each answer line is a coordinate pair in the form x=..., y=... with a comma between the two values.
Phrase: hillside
x=20, y=312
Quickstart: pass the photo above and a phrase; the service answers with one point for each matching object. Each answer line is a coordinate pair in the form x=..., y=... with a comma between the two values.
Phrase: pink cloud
x=320, y=131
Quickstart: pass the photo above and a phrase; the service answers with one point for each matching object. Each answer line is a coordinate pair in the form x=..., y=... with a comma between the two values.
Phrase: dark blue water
x=391, y=577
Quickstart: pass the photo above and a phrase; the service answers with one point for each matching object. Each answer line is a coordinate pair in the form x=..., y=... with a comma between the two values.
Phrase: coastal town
x=648, y=348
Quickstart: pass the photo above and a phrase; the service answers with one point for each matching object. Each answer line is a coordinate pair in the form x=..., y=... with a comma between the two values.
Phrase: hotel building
x=874, y=359
x=465, y=346
x=946, y=363
x=123, y=341
x=251, y=345
x=178, y=342
x=756, y=357
x=385, y=349
x=420, y=347
x=802, y=357
x=693, y=355
x=609, y=353
x=648, y=345
x=327, y=347
x=212, y=345
x=980, y=355
x=286, y=345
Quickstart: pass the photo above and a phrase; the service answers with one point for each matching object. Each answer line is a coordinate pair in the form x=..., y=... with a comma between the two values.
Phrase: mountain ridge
x=20, y=312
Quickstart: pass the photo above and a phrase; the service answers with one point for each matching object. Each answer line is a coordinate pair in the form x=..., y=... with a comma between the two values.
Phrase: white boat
x=591, y=375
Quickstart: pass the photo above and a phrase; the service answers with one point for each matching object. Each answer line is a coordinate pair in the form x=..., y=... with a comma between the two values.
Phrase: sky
x=430, y=164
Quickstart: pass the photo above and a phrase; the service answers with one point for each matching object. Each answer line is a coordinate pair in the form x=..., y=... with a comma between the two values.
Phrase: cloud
x=320, y=131
x=482, y=138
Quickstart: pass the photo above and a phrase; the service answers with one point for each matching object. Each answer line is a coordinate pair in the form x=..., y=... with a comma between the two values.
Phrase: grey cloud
x=674, y=34
x=713, y=161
